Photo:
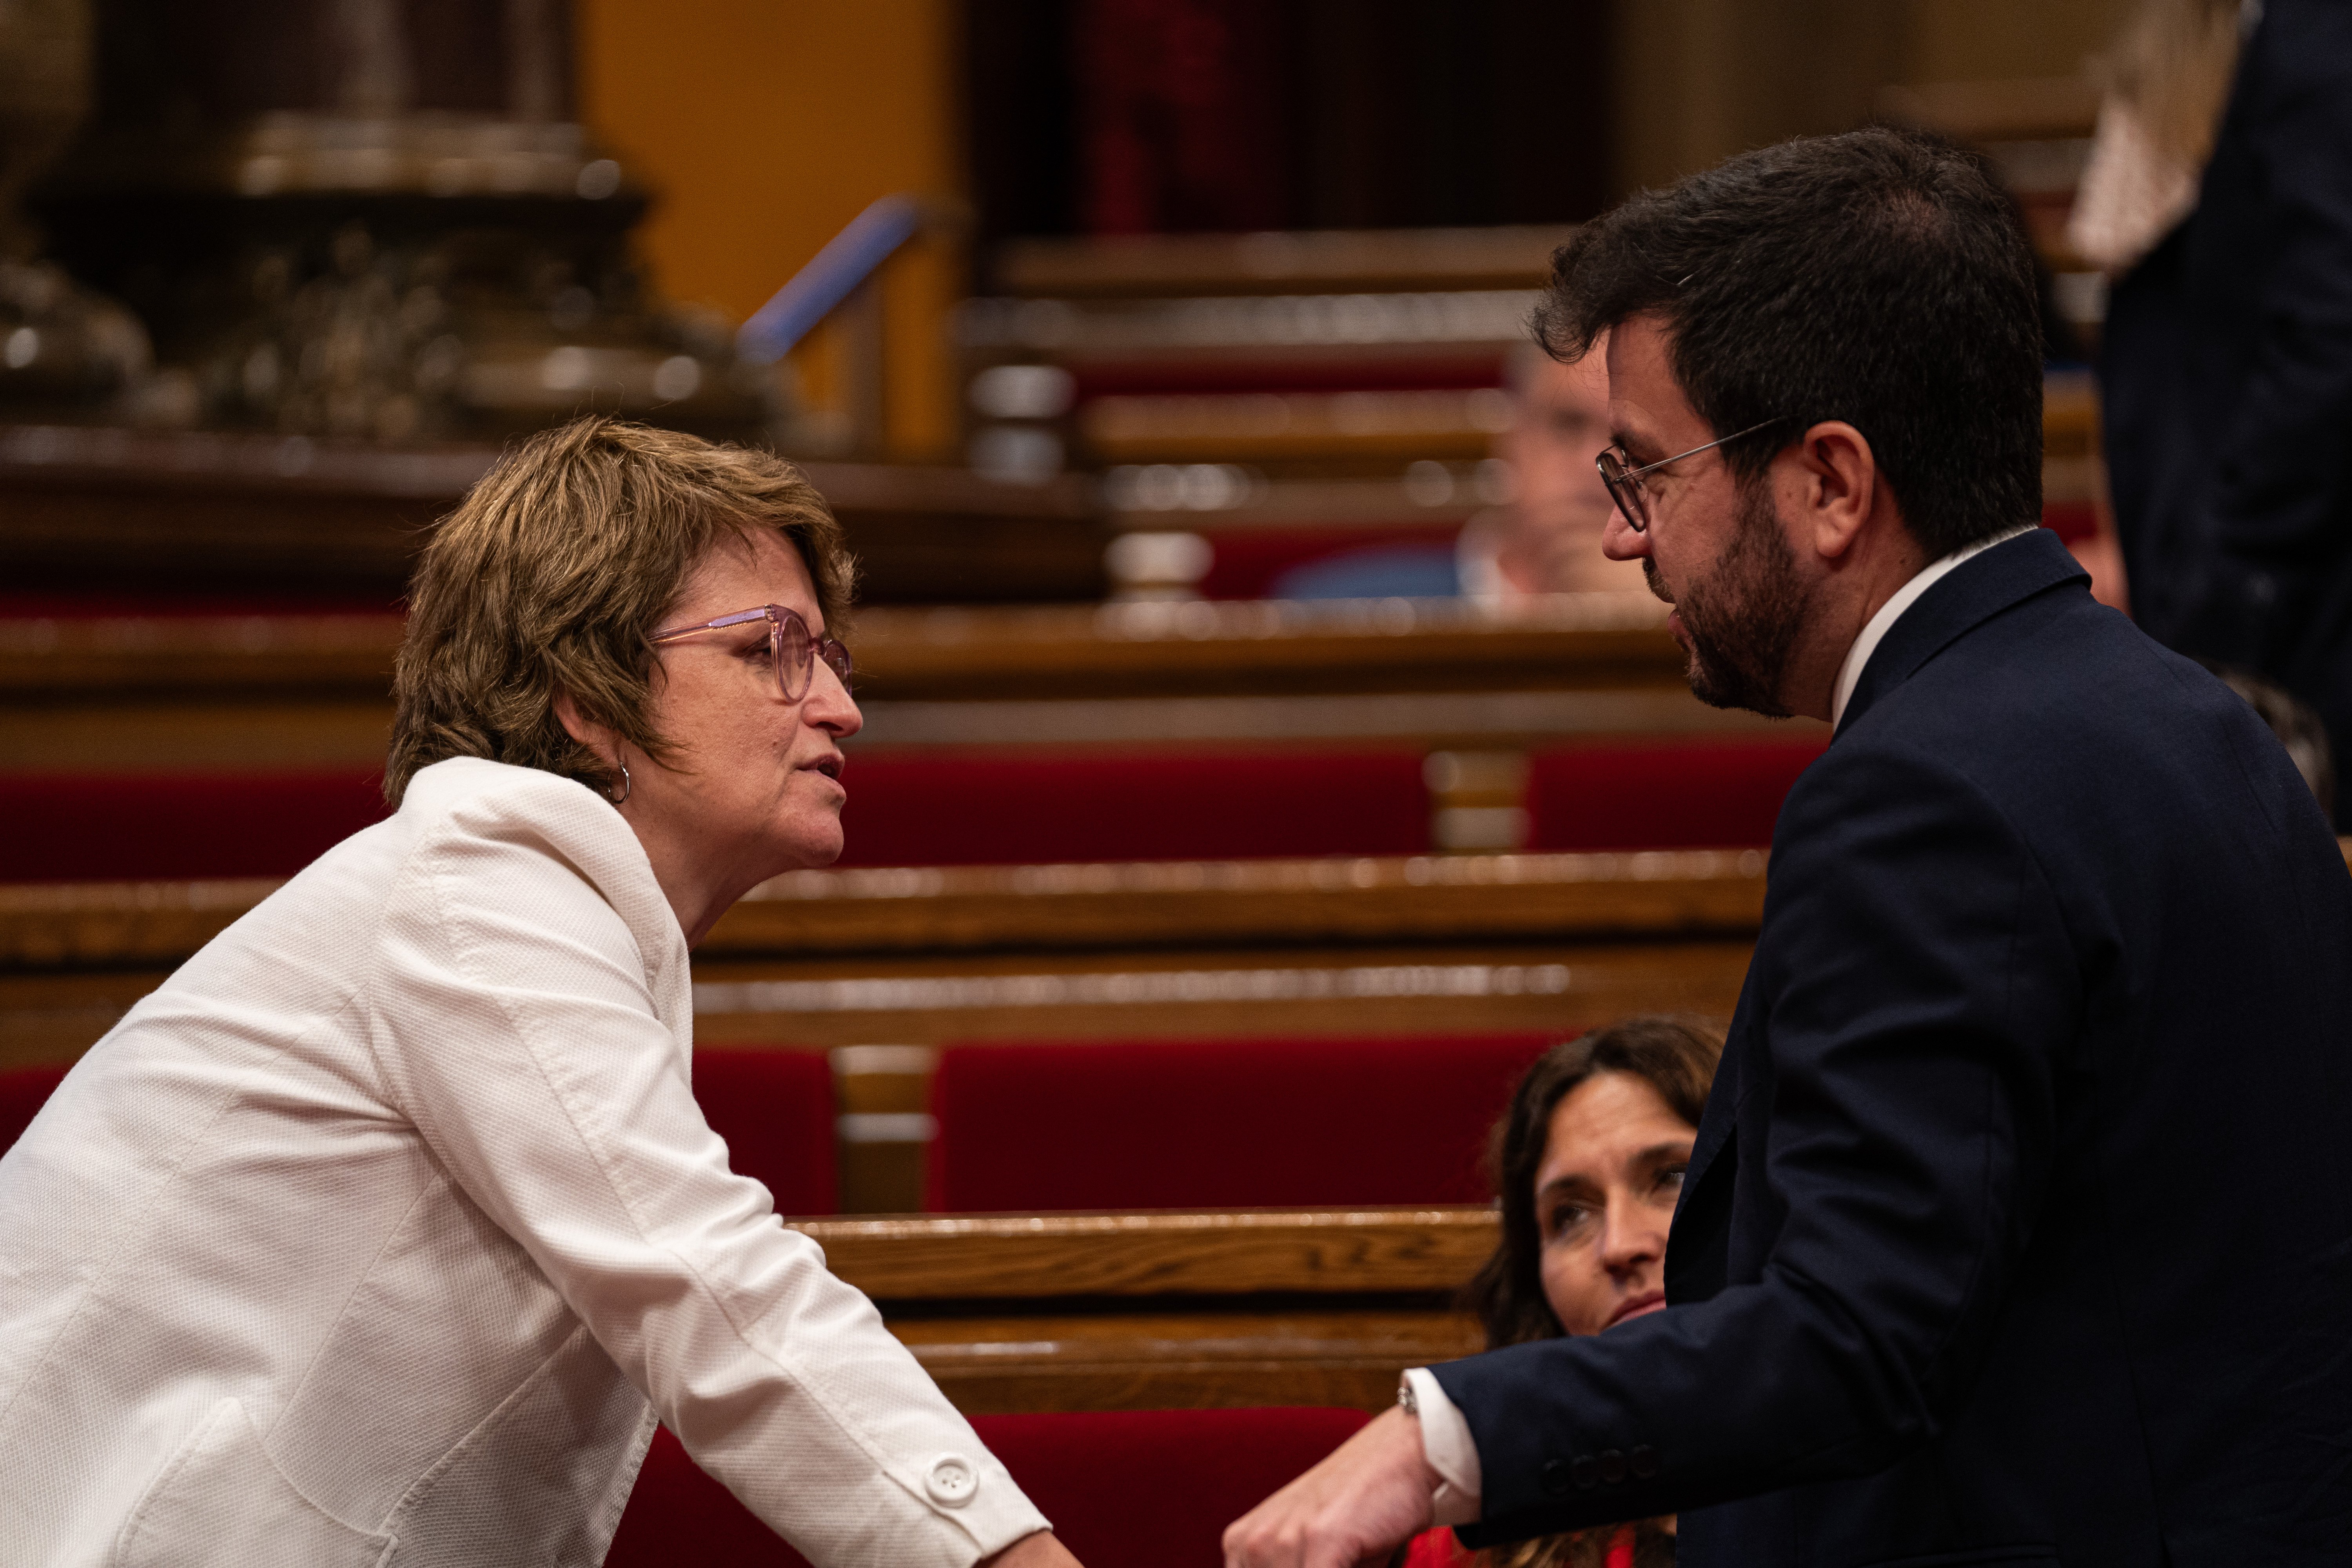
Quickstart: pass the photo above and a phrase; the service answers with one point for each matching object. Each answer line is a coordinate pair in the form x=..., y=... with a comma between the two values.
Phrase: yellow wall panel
x=764, y=126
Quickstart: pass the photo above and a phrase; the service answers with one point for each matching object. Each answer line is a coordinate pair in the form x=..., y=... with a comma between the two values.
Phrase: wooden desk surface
x=1215, y=1252
x=1160, y=1310
x=1197, y=1360
x=1258, y=647
x=1075, y=906
x=1110, y=950
x=238, y=511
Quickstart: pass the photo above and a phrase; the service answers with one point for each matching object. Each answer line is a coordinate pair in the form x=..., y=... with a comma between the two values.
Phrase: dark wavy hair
x=1880, y=277
x=1676, y=1056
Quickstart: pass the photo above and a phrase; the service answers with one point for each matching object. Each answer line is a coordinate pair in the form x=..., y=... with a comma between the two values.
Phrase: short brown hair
x=550, y=576
x=1676, y=1056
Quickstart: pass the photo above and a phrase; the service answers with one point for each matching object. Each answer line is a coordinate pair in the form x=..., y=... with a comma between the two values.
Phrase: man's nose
x=1619, y=542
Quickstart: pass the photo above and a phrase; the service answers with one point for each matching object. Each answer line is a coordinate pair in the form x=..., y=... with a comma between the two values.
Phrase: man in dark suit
x=2018, y=1225
x=2227, y=380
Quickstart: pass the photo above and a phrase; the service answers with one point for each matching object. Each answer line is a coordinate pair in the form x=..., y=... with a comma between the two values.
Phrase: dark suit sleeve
x=2282, y=459
x=1913, y=995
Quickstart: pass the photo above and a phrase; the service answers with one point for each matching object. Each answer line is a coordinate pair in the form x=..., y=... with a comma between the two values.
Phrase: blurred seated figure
x=1544, y=539
x=1547, y=538
x=2297, y=725
x=1589, y=1162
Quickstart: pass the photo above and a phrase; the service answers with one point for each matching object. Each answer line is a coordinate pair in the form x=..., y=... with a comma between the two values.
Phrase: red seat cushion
x=1664, y=796
x=679, y=1516
x=774, y=1108
x=1155, y=1488
x=1143, y=1488
x=100, y=827
x=1252, y=564
x=1218, y=1123
x=1011, y=810
x=903, y=811
x=23, y=1092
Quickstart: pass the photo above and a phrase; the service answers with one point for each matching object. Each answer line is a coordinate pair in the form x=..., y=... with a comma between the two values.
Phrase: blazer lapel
x=1964, y=598
x=1698, y=1243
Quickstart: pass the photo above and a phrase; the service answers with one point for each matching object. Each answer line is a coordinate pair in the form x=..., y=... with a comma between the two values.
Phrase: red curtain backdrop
x=1181, y=118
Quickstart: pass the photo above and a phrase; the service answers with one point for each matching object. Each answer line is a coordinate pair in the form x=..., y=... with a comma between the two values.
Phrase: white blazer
x=384, y=1231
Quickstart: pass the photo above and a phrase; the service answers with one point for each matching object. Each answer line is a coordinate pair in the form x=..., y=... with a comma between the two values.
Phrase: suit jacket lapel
x=1698, y=1243
x=1965, y=597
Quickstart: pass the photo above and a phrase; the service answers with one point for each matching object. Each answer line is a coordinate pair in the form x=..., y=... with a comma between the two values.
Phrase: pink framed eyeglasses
x=790, y=645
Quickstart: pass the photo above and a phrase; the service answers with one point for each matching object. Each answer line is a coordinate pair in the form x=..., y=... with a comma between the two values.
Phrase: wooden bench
x=1167, y=1310
x=175, y=510
x=1409, y=944
x=149, y=691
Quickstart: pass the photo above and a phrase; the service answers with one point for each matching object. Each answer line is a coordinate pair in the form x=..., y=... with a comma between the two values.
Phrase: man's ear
x=1836, y=480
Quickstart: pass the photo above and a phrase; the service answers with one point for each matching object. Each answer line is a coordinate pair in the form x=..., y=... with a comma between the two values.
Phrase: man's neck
x=1893, y=608
x=1857, y=588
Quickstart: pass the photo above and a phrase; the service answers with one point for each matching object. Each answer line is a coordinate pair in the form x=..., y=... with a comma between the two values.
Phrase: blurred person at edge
x=387, y=1228
x=2052, y=908
x=1589, y=1161
x=2219, y=199
x=1546, y=538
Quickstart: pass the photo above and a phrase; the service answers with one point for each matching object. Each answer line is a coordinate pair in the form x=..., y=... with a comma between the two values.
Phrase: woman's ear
x=577, y=725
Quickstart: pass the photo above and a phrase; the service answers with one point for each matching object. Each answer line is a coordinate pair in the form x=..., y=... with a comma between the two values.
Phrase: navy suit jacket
x=2019, y=1227
x=2228, y=383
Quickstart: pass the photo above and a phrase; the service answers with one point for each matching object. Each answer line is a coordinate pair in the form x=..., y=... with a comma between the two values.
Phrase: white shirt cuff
x=1446, y=1443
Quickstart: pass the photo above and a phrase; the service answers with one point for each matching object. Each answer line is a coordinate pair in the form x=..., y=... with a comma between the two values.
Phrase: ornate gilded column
x=377, y=220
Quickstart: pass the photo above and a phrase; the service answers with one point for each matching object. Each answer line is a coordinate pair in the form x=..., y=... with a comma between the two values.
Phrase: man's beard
x=1743, y=620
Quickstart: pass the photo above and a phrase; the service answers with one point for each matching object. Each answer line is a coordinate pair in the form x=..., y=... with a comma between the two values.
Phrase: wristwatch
x=1407, y=1398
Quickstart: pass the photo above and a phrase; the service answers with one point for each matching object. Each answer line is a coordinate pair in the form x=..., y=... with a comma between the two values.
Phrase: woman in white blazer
x=386, y=1230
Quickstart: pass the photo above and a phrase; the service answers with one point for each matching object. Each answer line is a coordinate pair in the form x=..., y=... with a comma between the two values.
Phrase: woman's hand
x=1038, y=1550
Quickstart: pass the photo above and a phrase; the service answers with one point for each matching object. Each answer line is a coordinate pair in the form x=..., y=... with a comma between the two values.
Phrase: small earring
x=626, y=784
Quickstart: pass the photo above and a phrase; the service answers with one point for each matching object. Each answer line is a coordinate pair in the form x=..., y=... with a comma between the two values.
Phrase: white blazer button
x=952, y=1481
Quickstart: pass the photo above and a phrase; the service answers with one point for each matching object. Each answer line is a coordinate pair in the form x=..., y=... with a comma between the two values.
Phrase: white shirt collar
x=1875, y=629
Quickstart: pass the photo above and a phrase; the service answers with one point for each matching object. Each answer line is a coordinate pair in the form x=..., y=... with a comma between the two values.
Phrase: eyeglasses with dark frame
x=1625, y=487
x=789, y=643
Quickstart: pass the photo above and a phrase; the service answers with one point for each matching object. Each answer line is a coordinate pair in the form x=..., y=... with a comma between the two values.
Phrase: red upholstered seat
x=1155, y=1488
x=903, y=811
x=679, y=1516
x=1008, y=809
x=1252, y=564
x=774, y=1108
x=1218, y=1123
x=1141, y=1489
x=72, y=827
x=1663, y=795
x=23, y=1092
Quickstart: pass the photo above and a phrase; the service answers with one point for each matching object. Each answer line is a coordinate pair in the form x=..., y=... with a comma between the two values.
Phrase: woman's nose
x=1631, y=1237
x=829, y=705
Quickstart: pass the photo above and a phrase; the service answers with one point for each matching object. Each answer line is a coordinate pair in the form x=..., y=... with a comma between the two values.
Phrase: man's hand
x=1370, y=1497
x=1038, y=1550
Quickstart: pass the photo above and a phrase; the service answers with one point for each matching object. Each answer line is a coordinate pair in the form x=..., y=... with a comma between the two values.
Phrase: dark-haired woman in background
x=1589, y=1161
